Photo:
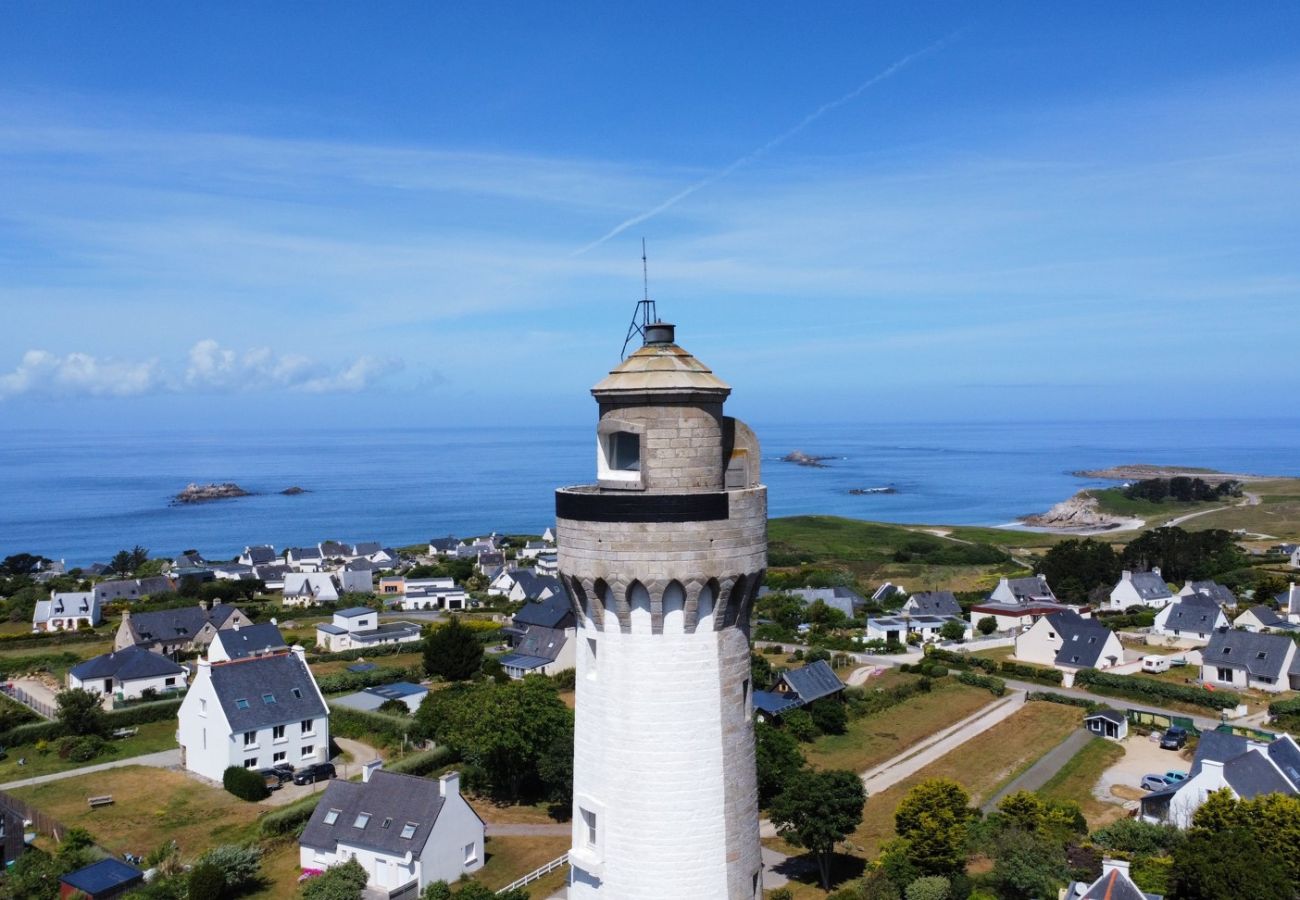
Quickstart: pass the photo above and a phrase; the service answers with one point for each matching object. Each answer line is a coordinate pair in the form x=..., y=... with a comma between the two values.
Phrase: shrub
x=1063, y=699
x=371, y=727
x=81, y=748
x=780, y=894
x=937, y=671
x=341, y=682
x=1033, y=673
x=799, y=722
x=422, y=763
x=205, y=883
x=1151, y=690
x=987, y=625
x=240, y=866
x=929, y=887
x=996, y=686
x=289, y=818
x=245, y=784
x=566, y=679
x=830, y=716
x=337, y=882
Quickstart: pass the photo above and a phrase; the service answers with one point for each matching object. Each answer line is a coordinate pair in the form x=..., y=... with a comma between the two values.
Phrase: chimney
x=1155, y=570
x=1126, y=575
x=1114, y=865
x=1213, y=769
x=370, y=768
x=275, y=622
x=298, y=651
x=449, y=785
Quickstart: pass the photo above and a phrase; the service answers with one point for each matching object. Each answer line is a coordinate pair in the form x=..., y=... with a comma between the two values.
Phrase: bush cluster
x=80, y=748
x=422, y=763
x=372, y=727
x=1063, y=699
x=245, y=784
x=339, y=682
x=1150, y=689
x=996, y=686
x=366, y=652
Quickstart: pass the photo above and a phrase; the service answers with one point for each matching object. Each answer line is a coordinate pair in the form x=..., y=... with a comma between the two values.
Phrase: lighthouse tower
x=662, y=557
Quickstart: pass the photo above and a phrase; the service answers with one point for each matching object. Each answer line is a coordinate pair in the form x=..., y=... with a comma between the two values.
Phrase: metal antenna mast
x=645, y=307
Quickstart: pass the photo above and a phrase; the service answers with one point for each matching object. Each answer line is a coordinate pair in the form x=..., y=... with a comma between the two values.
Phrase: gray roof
x=1286, y=756
x=444, y=544
x=1196, y=612
x=1149, y=585
x=940, y=603
x=844, y=599
x=353, y=612
x=179, y=624
x=813, y=681
x=243, y=687
x=1267, y=617
x=333, y=548
x=523, y=661
x=263, y=553
x=1113, y=715
x=1030, y=588
x=365, y=548
x=534, y=585
x=1217, y=592
x=251, y=639
x=388, y=797
x=1082, y=640
x=385, y=632
x=541, y=641
x=1263, y=655
x=1113, y=885
x=304, y=552
x=126, y=664
x=1251, y=774
x=554, y=611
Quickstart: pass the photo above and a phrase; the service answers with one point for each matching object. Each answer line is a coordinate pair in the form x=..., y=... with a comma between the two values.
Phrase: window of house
x=279, y=757
x=250, y=763
x=308, y=725
x=1225, y=674
x=250, y=737
x=297, y=693
x=307, y=750
x=203, y=707
x=332, y=816
x=268, y=698
x=408, y=830
x=589, y=820
x=387, y=823
x=744, y=694
x=241, y=703
x=169, y=682
x=277, y=733
x=471, y=853
x=362, y=820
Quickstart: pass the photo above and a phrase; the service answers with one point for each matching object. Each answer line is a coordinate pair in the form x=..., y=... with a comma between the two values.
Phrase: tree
x=1075, y=567
x=1183, y=555
x=933, y=818
x=121, y=563
x=436, y=890
x=20, y=565
x=341, y=882
x=929, y=887
x=778, y=758
x=394, y=708
x=205, y=882
x=1028, y=865
x=817, y=810
x=829, y=715
x=81, y=712
x=555, y=769
x=799, y=722
x=761, y=672
x=987, y=625
x=453, y=652
x=954, y=630
x=241, y=867
x=1227, y=865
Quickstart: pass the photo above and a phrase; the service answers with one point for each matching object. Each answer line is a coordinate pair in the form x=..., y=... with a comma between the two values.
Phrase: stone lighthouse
x=662, y=557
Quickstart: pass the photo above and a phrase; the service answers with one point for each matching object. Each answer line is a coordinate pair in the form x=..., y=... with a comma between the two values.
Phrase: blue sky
x=368, y=213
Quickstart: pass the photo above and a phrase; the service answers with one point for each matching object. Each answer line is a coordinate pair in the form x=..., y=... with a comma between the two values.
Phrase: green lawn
x=1112, y=500
x=1076, y=779
x=153, y=737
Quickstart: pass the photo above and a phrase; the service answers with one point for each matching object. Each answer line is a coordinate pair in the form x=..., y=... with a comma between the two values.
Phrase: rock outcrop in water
x=858, y=492
x=799, y=458
x=1079, y=512
x=293, y=491
x=202, y=493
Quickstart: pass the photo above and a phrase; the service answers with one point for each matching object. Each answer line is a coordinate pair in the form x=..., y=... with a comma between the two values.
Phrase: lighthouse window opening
x=591, y=659
x=624, y=451
x=589, y=821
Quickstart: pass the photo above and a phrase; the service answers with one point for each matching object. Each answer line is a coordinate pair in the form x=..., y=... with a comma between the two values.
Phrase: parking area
x=1142, y=756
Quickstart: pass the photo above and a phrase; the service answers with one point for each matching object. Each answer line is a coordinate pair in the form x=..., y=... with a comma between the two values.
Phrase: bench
x=126, y=732
x=96, y=802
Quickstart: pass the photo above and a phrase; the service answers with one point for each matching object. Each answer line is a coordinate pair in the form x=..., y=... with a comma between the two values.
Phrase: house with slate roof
x=171, y=631
x=1140, y=589
x=1263, y=618
x=1069, y=642
x=518, y=585
x=1240, y=659
x=133, y=588
x=1115, y=883
x=126, y=674
x=1191, y=617
x=242, y=641
x=444, y=546
x=534, y=549
x=797, y=687
x=1248, y=769
x=1217, y=592
x=253, y=712
x=1017, y=603
x=304, y=559
x=1033, y=589
x=932, y=603
x=1288, y=602
x=67, y=612
x=101, y=880
x=542, y=637
x=897, y=629
x=405, y=831
x=309, y=589
x=846, y=600
x=261, y=555
x=359, y=627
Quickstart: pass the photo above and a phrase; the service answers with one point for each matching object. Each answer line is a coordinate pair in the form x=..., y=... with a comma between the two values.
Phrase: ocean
x=81, y=496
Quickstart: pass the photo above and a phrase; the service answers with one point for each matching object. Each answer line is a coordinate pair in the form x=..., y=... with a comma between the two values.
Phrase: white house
x=1289, y=602
x=67, y=612
x=1140, y=589
x=309, y=589
x=360, y=627
x=241, y=641
x=1115, y=883
x=304, y=559
x=932, y=603
x=427, y=593
x=443, y=546
x=1033, y=589
x=402, y=829
x=1295, y=558
x=1217, y=592
x=519, y=585
x=1068, y=641
x=897, y=629
x=253, y=712
x=542, y=638
x=548, y=564
x=1246, y=768
x=260, y=555
x=1194, y=617
x=1263, y=618
x=534, y=549
x=357, y=577
x=127, y=674
x=1241, y=659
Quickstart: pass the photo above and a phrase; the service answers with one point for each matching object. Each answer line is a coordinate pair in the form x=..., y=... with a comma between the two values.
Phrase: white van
x=1155, y=664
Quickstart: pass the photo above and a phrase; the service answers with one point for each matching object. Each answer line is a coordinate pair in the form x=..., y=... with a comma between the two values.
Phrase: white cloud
x=210, y=369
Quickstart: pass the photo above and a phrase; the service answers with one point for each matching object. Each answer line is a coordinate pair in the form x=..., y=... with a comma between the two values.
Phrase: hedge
x=1064, y=700
x=118, y=718
x=10, y=641
x=995, y=686
x=1285, y=708
x=340, y=682
x=1007, y=668
x=371, y=727
x=38, y=662
x=368, y=652
x=245, y=784
x=422, y=763
x=962, y=660
x=1152, y=690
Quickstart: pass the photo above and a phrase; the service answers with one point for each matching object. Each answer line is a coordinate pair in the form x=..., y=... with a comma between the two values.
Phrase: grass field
x=1076, y=779
x=509, y=858
x=153, y=737
x=1112, y=500
x=396, y=661
x=1278, y=512
x=873, y=739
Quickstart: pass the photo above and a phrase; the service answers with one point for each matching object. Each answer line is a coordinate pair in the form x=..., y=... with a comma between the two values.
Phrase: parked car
x=1175, y=738
x=272, y=778
x=313, y=773
x=1174, y=775
x=285, y=769
x=1154, y=783
x=1155, y=664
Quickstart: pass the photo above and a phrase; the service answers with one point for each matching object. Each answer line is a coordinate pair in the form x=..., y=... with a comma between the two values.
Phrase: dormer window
x=332, y=816
x=362, y=820
x=408, y=830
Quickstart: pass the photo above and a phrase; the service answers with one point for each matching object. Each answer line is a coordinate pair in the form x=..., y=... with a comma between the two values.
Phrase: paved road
x=1042, y=771
x=164, y=759
x=918, y=756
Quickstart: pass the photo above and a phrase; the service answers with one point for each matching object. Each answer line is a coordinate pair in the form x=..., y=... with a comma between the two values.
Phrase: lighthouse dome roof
x=661, y=367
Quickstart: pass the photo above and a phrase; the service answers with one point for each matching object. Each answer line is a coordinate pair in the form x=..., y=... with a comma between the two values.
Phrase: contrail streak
x=774, y=142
